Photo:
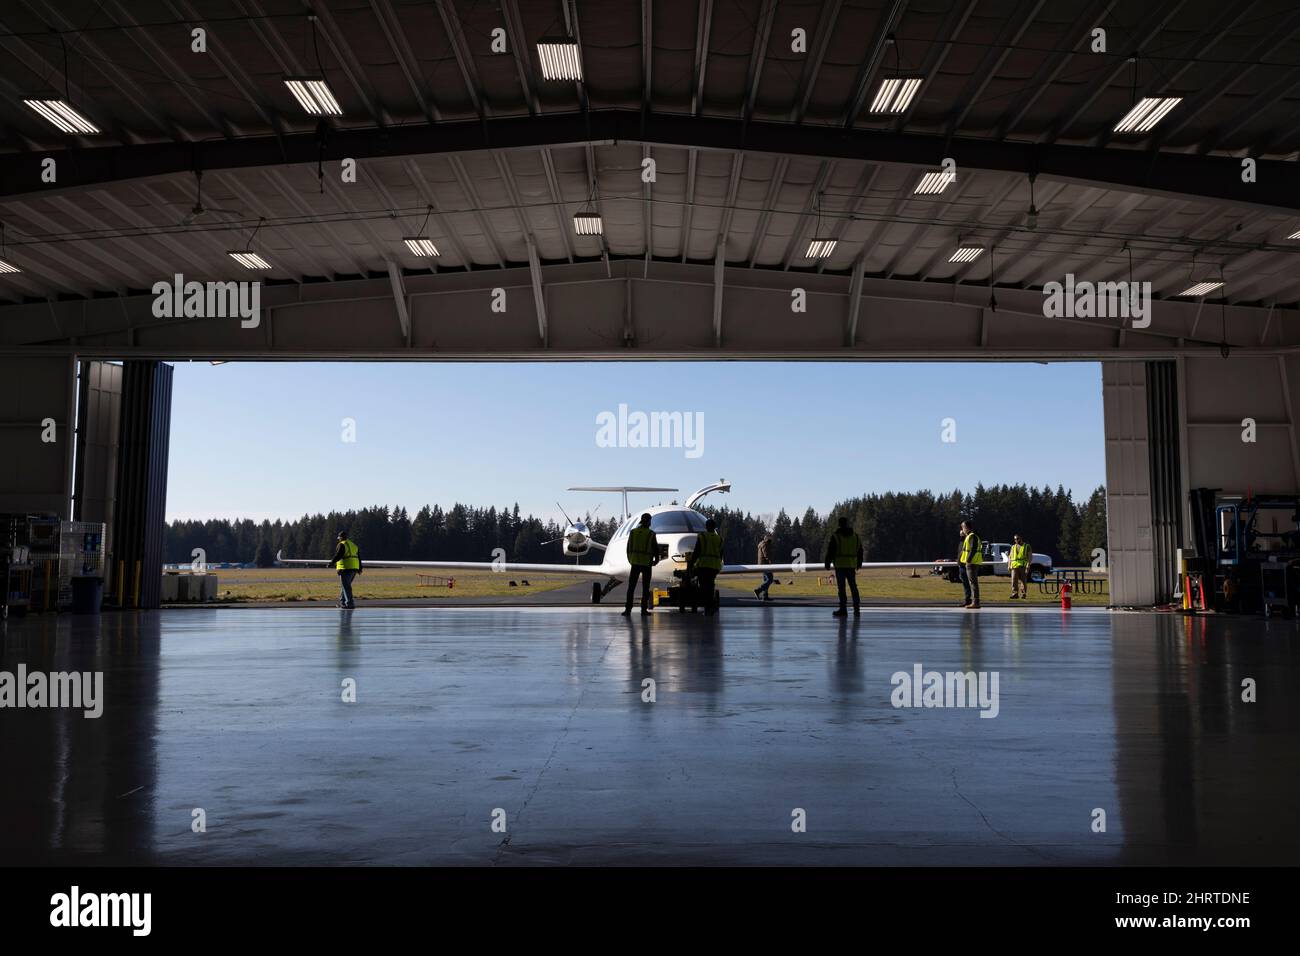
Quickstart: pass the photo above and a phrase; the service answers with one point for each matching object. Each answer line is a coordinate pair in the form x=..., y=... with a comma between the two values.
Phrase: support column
x=141, y=505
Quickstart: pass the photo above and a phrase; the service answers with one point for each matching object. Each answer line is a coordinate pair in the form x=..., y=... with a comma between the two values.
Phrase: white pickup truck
x=997, y=561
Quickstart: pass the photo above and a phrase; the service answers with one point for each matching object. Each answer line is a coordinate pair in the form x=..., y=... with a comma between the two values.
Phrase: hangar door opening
x=454, y=461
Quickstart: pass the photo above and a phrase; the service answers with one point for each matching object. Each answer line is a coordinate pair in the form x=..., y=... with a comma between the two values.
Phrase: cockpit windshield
x=676, y=522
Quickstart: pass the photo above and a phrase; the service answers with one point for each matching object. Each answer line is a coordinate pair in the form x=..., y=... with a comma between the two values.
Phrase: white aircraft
x=675, y=526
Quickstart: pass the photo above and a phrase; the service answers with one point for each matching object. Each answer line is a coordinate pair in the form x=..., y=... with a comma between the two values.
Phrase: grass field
x=897, y=584
x=254, y=585
x=273, y=585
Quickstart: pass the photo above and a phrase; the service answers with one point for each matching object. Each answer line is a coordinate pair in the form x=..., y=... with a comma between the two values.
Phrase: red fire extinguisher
x=1065, y=596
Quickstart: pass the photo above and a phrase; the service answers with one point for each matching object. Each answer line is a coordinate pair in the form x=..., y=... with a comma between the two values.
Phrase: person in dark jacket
x=844, y=551
x=705, y=563
x=642, y=555
x=347, y=558
x=765, y=557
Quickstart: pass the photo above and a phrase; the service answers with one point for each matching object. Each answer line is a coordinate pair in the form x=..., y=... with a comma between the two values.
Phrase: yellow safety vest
x=846, y=550
x=1020, y=555
x=350, y=561
x=708, y=551
x=641, y=546
x=971, y=551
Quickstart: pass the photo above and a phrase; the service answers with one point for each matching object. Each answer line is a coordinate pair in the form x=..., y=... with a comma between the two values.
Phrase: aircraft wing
x=506, y=567
x=818, y=566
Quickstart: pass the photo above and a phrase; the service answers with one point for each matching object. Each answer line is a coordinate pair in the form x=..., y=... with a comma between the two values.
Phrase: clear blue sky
x=263, y=440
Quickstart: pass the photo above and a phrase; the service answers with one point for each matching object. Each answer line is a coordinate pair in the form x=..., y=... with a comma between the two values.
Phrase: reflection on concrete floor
x=759, y=713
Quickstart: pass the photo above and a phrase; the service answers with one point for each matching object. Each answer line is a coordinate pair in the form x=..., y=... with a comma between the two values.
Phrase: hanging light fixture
x=63, y=116
x=1149, y=111
x=559, y=58
x=421, y=245
x=313, y=92
x=821, y=245
x=59, y=111
x=314, y=95
x=587, y=221
x=1202, y=288
x=895, y=93
x=933, y=183
x=6, y=267
x=246, y=257
x=1146, y=112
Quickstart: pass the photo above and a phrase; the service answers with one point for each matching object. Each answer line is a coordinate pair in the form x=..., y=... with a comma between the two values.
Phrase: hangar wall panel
x=36, y=475
x=1220, y=395
x=665, y=314
x=1128, y=484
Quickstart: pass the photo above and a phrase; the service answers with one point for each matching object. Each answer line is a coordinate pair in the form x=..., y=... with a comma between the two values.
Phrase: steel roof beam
x=1171, y=174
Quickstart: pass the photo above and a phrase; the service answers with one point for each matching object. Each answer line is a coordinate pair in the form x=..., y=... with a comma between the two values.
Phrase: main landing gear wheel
x=596, y=592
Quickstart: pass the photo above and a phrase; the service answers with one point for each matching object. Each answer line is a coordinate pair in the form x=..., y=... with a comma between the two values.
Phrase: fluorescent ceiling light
x=61, y=114
x=249, y=259
x=820, y=248
x=966, y=254
x=895, y=94
x=1294, y=235
x=1149, y=111
x=934, y=183
x=421, y=246
x=313, y=95
x=588, y=224
x=8, y=267
x=559, y=59
x=1201, y=288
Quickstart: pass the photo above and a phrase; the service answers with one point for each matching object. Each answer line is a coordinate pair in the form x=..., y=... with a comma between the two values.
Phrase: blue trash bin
x=87, y=594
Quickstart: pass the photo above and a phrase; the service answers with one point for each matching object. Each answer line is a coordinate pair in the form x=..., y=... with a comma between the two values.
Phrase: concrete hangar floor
x=538, y=719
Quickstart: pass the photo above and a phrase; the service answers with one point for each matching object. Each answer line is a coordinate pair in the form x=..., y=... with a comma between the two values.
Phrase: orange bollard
x=1065, y=596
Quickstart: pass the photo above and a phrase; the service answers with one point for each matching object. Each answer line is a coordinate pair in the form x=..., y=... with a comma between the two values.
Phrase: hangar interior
x=713, y=143
x=662, y=179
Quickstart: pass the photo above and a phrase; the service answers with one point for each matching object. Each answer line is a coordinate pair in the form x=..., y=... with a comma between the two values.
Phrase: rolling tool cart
x=688, y=593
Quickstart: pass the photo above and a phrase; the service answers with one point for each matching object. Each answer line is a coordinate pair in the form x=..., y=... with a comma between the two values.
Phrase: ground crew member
x=1019, y=559
x=347, y=558
x=706, y=562
x=642, y=554
x=844, y=551
x=969, y=559
x=765, y=557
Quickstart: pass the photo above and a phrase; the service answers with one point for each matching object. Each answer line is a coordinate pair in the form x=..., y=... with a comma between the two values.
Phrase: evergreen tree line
x=919, y=525
x=904, y=526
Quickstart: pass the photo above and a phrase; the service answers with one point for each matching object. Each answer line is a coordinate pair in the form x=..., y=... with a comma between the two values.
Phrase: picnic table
x=1080, y=583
